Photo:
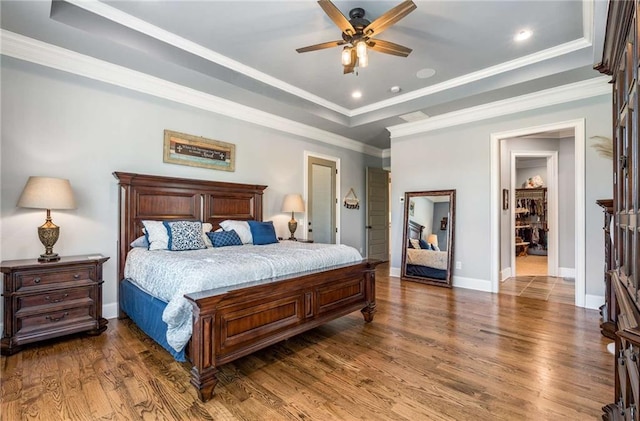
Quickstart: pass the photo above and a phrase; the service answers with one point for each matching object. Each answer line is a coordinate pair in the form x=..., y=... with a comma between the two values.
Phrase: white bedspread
x=430, y=258
x=169, y=275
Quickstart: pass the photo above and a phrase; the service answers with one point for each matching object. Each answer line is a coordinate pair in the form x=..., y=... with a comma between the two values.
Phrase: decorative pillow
x=434, y=247
x=206, y=227
x=409, y=245
x=140, y=242
x=185, y=235
x=156, y=234
x=224, y=238
x=415, y=243
x=424, y=245
x=263, y=232
x=240, y=227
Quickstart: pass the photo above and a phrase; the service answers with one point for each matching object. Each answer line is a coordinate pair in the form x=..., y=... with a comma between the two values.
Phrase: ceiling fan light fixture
x=363, y=61
x=346, y=56
x=361, y=48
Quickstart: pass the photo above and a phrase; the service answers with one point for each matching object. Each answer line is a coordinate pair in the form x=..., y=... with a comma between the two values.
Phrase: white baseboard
x=593, y=301
x=110, y=311
x=505, y=274
x=394, y=272
x=567, y=273
x=472, y=283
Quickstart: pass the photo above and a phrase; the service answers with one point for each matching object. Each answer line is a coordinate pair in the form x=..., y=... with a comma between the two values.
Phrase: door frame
x=578, y=126
x=552, y=207
x=305, y=190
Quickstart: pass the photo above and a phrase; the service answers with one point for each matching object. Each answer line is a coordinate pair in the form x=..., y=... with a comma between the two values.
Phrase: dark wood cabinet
x=49, y=300
x=607, y=326
x=620, y=60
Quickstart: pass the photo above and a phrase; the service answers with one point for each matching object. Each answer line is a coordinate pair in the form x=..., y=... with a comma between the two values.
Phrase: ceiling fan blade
x=337, y=17
x=390, y=17
x=320, y=46
x=388, y=47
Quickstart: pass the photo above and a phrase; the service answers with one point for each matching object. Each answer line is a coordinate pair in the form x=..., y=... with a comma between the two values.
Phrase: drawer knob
x=57, y=319
x=56, y=300
x=36, y=280
x=76, y=276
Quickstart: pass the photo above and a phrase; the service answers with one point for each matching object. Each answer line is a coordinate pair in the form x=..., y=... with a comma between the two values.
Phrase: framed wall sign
x=195, y=151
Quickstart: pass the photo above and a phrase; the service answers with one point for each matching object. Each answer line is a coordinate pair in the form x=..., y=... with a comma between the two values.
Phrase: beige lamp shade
x=47, y=193
x=292, y=203
x=432, y=239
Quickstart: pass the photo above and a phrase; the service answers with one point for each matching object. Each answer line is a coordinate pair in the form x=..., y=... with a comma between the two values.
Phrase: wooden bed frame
x=231, y=323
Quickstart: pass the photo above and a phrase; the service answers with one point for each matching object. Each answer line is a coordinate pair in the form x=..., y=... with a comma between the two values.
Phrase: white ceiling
x=244, y=51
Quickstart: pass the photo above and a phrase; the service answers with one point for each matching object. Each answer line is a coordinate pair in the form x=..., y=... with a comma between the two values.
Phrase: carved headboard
x=415, y=230
x=150, y=197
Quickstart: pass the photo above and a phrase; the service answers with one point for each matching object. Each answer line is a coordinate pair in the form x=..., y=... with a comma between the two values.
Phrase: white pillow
x=157, y=235
x=241, y=228
x=206, y=227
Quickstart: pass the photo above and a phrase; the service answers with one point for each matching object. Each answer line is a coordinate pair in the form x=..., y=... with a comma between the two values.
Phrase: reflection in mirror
x=429, y=223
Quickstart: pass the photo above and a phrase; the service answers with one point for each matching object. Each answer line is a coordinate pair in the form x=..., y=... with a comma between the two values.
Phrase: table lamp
x=432, y=239
x=47, y=193
x=293, y=203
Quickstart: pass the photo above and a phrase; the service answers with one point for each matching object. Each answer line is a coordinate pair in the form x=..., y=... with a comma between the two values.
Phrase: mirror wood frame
x=408, y=196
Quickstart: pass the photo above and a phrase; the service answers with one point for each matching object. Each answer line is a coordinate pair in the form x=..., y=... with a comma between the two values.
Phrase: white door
x=321, y=200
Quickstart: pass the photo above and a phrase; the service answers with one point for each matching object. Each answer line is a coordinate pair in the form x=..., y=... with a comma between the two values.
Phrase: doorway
x=534, y=217
x=320, y=194
x=576, y=214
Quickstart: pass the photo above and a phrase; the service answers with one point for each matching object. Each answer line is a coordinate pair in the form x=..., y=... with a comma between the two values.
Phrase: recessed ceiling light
x=356, y=94
x=522, y=35
x=394, y=89
x=425, y=73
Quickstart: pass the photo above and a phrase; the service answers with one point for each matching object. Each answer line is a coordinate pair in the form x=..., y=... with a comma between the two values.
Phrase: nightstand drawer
x=39, y=279
x=51, y=320
x=56, y=298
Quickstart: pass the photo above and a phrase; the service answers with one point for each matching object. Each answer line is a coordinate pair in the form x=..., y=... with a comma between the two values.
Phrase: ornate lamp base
x=48, y=233
x=293, y=225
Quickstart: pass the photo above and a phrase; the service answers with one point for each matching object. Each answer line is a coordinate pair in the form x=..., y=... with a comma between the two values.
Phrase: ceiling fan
x=358, y=33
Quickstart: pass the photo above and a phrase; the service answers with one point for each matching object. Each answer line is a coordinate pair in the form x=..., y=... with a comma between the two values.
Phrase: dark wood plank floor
x=430, y=354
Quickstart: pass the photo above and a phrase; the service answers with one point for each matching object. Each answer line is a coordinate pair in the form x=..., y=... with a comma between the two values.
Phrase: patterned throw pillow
x=224, y=238
x=185, y=235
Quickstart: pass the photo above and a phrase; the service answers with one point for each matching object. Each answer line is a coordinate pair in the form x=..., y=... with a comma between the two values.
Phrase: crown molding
x=143, y=27
x=543, y=55
x=553, y=96
x=122, y=18
x=38, y=52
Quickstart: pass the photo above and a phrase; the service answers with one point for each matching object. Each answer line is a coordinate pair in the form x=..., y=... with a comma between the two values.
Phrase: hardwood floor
x=431, y=353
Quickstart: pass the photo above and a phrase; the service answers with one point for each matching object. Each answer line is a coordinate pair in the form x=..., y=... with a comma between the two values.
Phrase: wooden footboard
x=231, y=324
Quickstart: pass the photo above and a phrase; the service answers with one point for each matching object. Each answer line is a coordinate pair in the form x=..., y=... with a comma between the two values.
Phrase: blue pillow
x=224, y=238
x=263, y=232
x=424, y=245
x=185, y=235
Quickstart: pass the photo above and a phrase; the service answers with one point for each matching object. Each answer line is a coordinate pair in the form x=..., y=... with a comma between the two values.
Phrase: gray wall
x=462, y=161
x=61, y=125
x=441, y=210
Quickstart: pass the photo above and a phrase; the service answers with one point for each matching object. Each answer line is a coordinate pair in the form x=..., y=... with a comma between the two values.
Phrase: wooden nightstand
x=299, y=240
x=48, y=300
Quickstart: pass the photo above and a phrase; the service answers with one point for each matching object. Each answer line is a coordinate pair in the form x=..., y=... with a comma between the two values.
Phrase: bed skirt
x=146, y=312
